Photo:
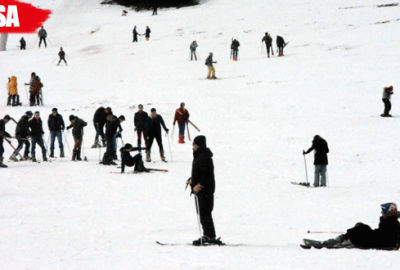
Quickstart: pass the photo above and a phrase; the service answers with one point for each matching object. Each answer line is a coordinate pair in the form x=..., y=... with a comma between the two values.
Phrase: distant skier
x=211, y=69
x=268, y=43
x=139, y=121
x=99, y=121
x=385, y=237
x=135, y=34
x=77, y=126
x=320, y=159
x=21, y=134
x=13, y=86
x=193, y=47
x=42, y=35
x=9, y=97
x=147, y=33
x=280, y=43
x=61, y=54
x=111, y=134
x=153, y=130
x=36, y=91
x=22, y=43
x=56, y=126
x=182, y=117
x=235, y=49
x=203, y=186
x=387, y=93
x=128, y=160
x=124, y=13
x=31, y=94
x=155, y=7
x=3, y=134
x=35, y=131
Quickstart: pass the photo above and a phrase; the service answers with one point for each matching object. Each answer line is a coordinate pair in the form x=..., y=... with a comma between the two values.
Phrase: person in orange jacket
x=13, y=86
x=182, y=116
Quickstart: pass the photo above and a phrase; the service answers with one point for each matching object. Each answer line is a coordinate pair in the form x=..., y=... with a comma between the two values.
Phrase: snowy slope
x=258, y=119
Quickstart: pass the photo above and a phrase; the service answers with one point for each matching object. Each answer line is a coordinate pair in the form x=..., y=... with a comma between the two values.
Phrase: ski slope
x=258, y=118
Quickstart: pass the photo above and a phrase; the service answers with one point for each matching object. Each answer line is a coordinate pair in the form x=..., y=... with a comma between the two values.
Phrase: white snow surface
x=257, y=119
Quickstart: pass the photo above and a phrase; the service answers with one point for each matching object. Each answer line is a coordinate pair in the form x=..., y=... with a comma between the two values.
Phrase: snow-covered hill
x=258, y=119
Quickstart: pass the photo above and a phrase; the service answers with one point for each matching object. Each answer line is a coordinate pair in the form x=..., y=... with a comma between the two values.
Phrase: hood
x=201, y=141
x=13, y=79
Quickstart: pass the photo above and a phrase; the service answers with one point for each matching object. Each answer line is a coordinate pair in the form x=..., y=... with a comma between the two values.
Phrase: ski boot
x=74, y=154
x=213, y=78
x=44, y=157
x=139, y=167
x=14, y=157
x=335, y=241
x=148, y=156
x=26, y=157
x=2, y=165
x=104, y=143
x=162, y=156
x=78, y=156
x=62, y=153
x=96, y=144
x=51, y=153
x=33, y=158
x=9, y=100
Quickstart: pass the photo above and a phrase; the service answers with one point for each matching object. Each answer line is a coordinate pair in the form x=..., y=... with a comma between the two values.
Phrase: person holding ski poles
x=280, y=43
x=181, y=116
x=3, y=134
x=21, y=134
x=42, y=35
x=193, y=47
x=61, y=54
x=320, y=159
x=211, y=69
x=268, y=43
x=35, y=131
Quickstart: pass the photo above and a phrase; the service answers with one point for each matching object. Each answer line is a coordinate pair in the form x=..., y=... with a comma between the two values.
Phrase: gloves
x=68, y=128
x=304, y=152
x=167, y=130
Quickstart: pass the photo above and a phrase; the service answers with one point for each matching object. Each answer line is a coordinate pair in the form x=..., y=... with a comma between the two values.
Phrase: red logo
x=18, y=17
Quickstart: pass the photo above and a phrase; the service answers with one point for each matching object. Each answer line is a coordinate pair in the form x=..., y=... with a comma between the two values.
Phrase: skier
x=153, y=130
x=140, y=125
x=387, y=93
x=36, y=86
x=22, y=44
x=135, y=34
x=99, y=121
x=280, y=43
x=13, y=86
x=182, y=116
x=42, y=35
x=31, y=94
x=8, y=92
x=61, y=54
x=203, y=186
x=124, y=12
x=211, y=69
x=193, y=47
x=268, y=43
x=3, y=134
x=35, y=131
x=21, y=134
x=111, y=135
x=155, y=7
x=77, y=132
x=128, y=160
x=235, y=49
x=147, y=33
x=320, y=159
x=385, y=237
x=56, y=125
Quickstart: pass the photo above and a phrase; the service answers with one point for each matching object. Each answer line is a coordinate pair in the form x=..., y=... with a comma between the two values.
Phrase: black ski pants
x=99, y=131
x=388, y=106
x=62, y=59
x=21, y=145
x=150, y=141
x=206, y=206
x=268, y=49
x=44, y=40
x=1, y=148
x=280, y=49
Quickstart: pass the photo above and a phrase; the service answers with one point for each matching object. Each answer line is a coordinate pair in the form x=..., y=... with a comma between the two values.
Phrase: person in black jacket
x=280, y=43
x=235, y=49
x=203, y=186
x=135, y=34
x=128, y=160
x=35, y=131
x=140, y=125
x=61, y=54
x=111, y=134
x=147, y=33
x=99, y=121
x=385, y=237
x=22, y=136
x=22, y=44
x=77, y=126
x=320, y=159
x=3, y=134
x=268, y=43
x=56, y=125
x=153, y=129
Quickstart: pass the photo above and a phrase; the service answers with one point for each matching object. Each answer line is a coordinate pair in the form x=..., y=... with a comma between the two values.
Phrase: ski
x=157, y=170
x=207, y=245
x=301, y=184
x=308, y=244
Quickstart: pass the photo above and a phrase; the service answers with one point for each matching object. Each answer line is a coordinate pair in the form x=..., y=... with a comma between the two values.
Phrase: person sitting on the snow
x=385, y=237
x=128, y=160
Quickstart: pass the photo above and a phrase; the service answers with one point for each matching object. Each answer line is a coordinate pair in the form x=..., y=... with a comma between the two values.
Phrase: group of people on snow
x=136, y=34
x=35, y=91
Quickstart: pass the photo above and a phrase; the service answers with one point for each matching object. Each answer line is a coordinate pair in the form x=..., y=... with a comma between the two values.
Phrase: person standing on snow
x=155, y=7
x=56, y=126
x=268, y=43
x=135, y=34
x=280, y=43
x=36, y=86
x=182, y=116
x=13, y=86
x=320, y=159
x=8, y=92
x=235, y=49
x=61, y=54
x=77, y=126
x=387, y=93
x=147, y=33
x=211, y=69
x=128, y=160
x=21, y=134
x=99, y=121
x=31, y=95
x=153, y=130
x=111, y=134
x=35, y=131
x=193, y=47
x=203, y=186
x=140, y=125
x=3, y=134
x=42, y=35
x=22, y=43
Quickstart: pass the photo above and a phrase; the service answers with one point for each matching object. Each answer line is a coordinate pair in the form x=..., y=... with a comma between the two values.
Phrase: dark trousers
x=32, y=98
x=1, y=148
x=235, y=53
x=44, y=40
x=206, y=206
x=77, y=144
x=388, y=106
x=135, y=38
x=21, y=145
x=139, y=135
x=193, y=53
x=182, y=129
x=280, y=49
x=58, y=135
x=38, y=140
x=135, y=161
x=150, y=141
x=268, y=49
x=110, y=145
x=62, y=59
x=99, y=131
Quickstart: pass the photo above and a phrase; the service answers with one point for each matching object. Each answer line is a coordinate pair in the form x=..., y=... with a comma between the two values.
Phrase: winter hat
x=122, y=117
x=128, y=146
x=108, y=109
x=389, y=209
x=153, y=110
x=200, y=141
x=211, y=53
x=71, y=117
x=7, y=117
x=391, y=87
x=61, y=48
x=54, y=110
x=29, y=113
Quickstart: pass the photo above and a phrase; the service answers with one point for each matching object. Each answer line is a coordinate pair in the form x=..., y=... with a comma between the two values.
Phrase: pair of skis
x=308, y=244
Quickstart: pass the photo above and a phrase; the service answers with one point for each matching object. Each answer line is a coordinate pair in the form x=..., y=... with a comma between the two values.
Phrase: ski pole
x=66, y=141
x=172, y=134
x=190, y=122
x=305, y=164
x=9, y=142
x=315, y=232
x=261, y=48
x=187, y=127
x=196, y=201
x=169, y=144
x=83, y=148
x=35, y=42
x=47, y=147
x=26, y=90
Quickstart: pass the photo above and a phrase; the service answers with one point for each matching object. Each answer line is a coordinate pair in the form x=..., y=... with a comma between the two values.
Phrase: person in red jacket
x=182, y=116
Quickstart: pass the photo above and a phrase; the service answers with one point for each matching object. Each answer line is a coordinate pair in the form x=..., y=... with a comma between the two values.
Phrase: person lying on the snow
x=385, y=237
x=128, y=160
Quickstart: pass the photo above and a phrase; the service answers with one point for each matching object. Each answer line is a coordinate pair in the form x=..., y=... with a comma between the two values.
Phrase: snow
x=257, y=119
